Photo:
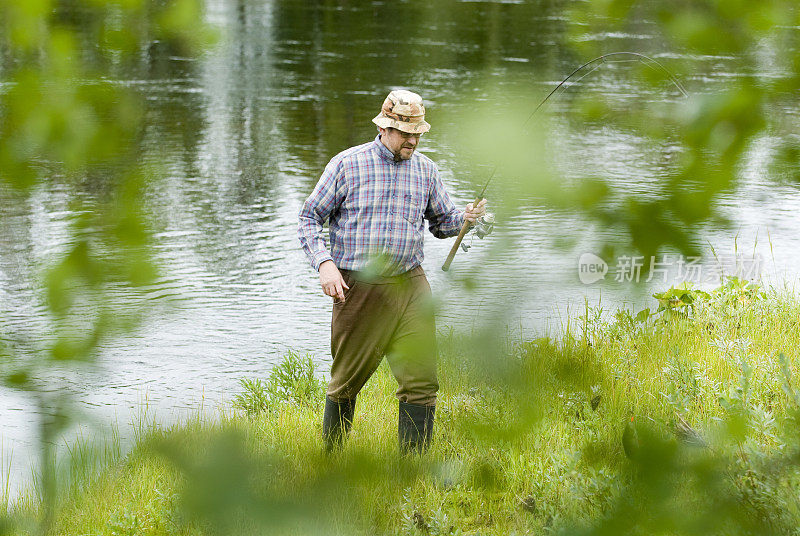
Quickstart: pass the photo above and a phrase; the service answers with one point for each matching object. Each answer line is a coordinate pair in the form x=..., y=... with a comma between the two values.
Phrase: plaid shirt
x=376, y=207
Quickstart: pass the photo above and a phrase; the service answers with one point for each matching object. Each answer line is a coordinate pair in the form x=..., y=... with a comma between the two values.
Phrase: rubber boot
x=415, y=427
x=336, y=422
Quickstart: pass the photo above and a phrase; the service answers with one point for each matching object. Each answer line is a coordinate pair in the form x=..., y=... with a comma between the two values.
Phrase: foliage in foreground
x=677, y=424
x=66, y=122
x=66, y=118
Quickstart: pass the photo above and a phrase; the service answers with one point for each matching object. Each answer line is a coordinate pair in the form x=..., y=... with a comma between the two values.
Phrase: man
x=376, y=197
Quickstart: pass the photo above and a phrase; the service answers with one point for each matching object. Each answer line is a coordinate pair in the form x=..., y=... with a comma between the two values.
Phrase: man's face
x=400, y=143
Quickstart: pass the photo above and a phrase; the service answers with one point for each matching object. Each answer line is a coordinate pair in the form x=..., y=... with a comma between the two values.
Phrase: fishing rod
x=596, y=62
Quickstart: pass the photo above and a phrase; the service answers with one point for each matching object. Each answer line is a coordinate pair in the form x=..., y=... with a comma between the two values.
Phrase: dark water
x=242, y=136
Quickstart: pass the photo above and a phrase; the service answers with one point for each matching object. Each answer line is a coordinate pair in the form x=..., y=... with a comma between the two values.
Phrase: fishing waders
x=391, y=317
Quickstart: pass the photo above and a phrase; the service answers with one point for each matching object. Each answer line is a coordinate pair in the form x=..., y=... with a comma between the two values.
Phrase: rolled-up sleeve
x=326, y=197
x=444, y=219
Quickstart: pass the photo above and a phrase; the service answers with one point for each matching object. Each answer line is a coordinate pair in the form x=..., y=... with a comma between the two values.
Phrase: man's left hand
x=473, y=213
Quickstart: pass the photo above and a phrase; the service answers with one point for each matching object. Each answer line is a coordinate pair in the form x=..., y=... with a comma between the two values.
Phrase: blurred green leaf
x=65, y=117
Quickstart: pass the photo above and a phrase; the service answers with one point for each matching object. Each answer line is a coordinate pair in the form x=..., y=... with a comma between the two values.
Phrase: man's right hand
x=331, y=280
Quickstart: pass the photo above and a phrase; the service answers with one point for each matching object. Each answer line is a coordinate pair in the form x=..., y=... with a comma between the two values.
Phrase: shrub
x=292, y=381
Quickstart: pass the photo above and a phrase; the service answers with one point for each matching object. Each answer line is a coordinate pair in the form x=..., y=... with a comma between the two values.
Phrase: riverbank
x=683, y=421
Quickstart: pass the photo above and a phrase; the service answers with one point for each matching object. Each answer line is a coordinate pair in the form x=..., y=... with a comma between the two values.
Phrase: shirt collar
x=382, y=150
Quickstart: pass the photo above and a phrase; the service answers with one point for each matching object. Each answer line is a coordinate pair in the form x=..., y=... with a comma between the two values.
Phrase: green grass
x=528, y=439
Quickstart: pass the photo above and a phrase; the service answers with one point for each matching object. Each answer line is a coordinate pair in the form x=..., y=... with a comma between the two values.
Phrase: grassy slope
x=518, y=444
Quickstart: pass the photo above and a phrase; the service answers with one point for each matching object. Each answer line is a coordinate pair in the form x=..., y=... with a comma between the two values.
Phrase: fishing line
x=566, y=87
x=599, y=61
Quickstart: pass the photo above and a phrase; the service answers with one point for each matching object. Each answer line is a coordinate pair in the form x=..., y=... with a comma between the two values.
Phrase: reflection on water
x=242, y=136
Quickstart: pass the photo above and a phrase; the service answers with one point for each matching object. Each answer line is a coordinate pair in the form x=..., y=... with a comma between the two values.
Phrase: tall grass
x=5, y=474
x=682, y=421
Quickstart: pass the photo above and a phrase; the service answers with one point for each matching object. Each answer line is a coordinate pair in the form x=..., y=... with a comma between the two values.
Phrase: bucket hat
x=404, y=111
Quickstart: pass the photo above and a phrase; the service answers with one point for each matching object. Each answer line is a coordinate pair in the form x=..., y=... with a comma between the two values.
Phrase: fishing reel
x=482, y=228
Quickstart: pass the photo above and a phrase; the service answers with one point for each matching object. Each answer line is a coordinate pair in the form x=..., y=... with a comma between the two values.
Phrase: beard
x=401, y=156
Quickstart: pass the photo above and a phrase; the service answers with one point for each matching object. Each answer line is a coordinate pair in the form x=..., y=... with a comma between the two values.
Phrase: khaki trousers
x=391, y=316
